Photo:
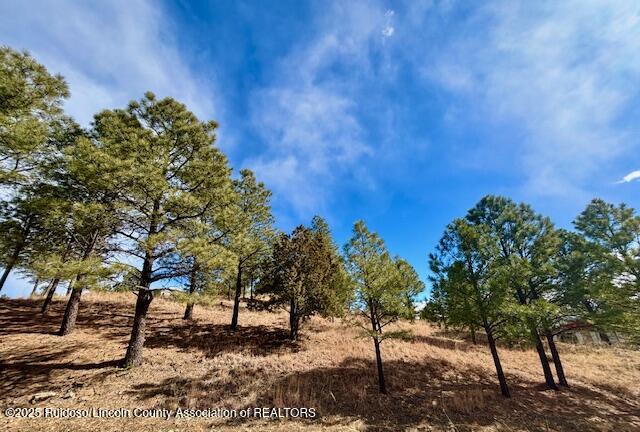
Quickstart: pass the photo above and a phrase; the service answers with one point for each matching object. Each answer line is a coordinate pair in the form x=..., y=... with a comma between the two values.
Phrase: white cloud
x=109, y=52
x=558, y=75
x=308, y=115
x=633, y=175
x=450, y=75
x=286, y=174
x=388, y=28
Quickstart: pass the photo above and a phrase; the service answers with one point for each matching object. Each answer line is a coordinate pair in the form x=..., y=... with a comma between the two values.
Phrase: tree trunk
x=71, y=311
x=12, y=262
x=133, y=357
x=236, y=300
x=473, y=335
x=35, y=288
x=504, y=389
x=47, y=301
x=381, y=384
x=293, y=320
x=546, y=369
x=70, y=286
x=16, y=252
x=562, y=380
x=47, y=288
x=188, y=312
x=75, y=290
x=136, y=343
x=54, y=284
x=375, y=325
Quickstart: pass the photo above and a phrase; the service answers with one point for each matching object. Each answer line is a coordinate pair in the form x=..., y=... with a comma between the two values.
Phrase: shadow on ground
x=36, y=371
x=418, y=396
x=432, y=392
x=36, y=368
x=215, y=339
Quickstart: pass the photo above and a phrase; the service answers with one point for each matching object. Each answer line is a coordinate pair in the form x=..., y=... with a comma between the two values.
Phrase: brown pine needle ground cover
x=437, y=382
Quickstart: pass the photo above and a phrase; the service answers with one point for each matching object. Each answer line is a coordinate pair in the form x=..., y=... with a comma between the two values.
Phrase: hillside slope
x=436, y=382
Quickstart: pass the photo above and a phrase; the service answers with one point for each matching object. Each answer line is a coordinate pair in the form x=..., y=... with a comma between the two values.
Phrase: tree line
x=506, y=270
x=144, y=201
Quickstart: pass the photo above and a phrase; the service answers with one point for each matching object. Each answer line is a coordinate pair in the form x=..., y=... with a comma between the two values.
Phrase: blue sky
x=400, y=113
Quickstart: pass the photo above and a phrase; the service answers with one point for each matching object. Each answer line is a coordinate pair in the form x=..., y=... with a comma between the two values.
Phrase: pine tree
x=23, y=221
x=305, y=276
x=253, y=232
x=92, y=183
x=610, y=269
x=28, y=214
x=172, y=174
x=203, y=249
x=30, y=113
x=384, y=289
x=527, y=244
x=471, y=286
x=582, y=271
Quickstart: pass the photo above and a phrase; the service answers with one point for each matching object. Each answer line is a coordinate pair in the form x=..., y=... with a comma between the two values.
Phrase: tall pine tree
x=172, y=175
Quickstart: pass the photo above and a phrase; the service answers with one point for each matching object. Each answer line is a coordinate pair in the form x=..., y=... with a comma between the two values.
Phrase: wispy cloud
x=633, y=175
x=559, y=74
x=388, y=29
x=550, y=83
x=109, y=52
x=307, y=116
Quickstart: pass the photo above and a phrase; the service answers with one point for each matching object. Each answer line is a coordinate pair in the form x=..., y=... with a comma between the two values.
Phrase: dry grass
x=436, y=381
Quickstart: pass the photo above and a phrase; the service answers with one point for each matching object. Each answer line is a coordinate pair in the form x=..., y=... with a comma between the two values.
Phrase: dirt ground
x=437, y=381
